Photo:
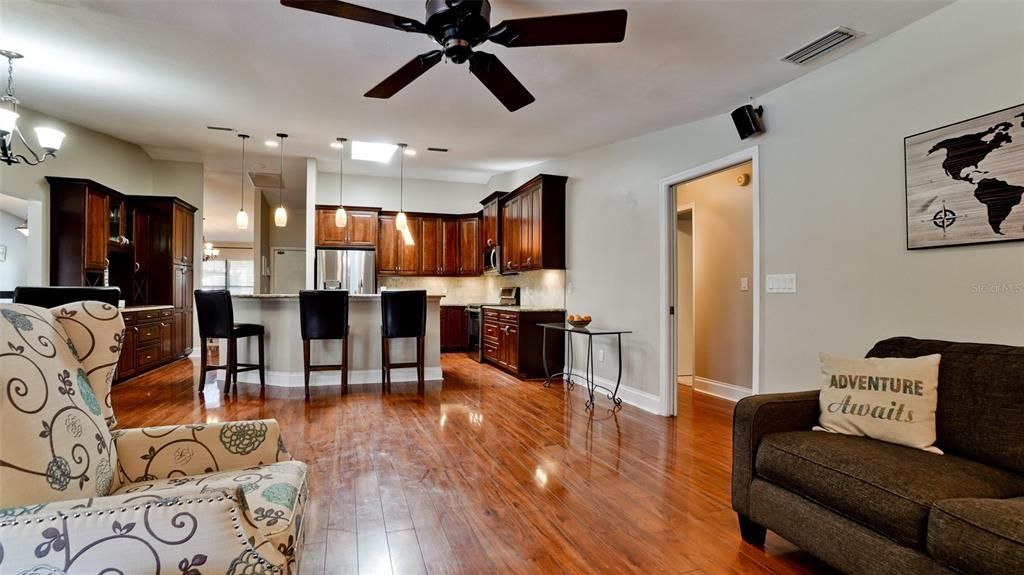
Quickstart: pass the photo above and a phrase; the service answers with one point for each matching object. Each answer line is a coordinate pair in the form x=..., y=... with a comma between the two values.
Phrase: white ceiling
x=157, y=73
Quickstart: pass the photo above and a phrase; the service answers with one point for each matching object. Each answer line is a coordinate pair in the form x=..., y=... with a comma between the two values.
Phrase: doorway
x=287, y=270
x=712, y=293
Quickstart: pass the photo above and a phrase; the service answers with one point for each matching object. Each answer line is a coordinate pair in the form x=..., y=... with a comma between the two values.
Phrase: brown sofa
x=865, y=506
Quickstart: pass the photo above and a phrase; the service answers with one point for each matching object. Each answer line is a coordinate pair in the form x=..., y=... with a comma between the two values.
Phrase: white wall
x=420, y=195
x=832, y=204
x=14, y=269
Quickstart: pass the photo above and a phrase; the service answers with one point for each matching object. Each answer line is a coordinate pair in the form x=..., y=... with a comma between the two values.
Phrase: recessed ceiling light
x=410, y=152
x=337, y=145
x=373, y=152
x=270, y=143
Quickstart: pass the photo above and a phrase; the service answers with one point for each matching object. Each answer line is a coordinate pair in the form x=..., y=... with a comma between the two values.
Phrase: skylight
x=373, y=152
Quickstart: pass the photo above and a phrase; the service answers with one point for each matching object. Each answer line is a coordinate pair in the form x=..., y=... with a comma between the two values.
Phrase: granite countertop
x=146, y=307
x=285, y=296
x=522, y=308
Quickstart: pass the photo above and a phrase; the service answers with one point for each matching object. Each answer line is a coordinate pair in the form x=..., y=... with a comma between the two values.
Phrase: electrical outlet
x=600, y=356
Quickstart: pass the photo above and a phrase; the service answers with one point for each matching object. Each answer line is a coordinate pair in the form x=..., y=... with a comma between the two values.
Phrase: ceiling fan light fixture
x=373, y=151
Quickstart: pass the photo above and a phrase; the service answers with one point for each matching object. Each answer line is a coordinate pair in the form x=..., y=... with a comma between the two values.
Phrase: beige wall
x=684, y=294
x=86, y=154
x=723, y=253
x=183, y=180
x=419, y=195
x=832, y=189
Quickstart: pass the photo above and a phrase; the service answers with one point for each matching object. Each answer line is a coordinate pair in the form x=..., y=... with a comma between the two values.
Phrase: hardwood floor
x=488, y=474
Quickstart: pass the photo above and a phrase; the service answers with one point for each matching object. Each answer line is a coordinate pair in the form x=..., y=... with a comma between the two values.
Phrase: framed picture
x=965, y=182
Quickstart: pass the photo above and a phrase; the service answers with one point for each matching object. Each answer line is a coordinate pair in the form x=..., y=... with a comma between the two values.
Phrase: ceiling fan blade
x=583, y=28
x=499, y=80
x=357, y=13
x=405, y=75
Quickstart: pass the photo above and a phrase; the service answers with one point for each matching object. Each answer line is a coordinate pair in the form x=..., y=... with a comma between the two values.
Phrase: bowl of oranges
x=579, y=320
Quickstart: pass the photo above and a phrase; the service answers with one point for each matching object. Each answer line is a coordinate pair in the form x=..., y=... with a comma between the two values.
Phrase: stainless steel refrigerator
x=352, y=270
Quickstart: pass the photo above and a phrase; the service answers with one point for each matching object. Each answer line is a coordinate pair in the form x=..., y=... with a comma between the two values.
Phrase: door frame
x=668, y=290
x=690, y=208
x=273, y=264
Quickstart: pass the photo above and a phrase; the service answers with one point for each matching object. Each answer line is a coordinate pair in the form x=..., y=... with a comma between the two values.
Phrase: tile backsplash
x=542, y=288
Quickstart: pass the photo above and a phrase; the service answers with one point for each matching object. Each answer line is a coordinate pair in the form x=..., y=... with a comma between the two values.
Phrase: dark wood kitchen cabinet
x=394, y=256
x=513, y=341
x=470, y=249
x=490, y=226
x=360, y=231
x=533, y=225
x=183, y=247
x=431, y=243
x=147, y=340
x=450, y=256
x=454, y=328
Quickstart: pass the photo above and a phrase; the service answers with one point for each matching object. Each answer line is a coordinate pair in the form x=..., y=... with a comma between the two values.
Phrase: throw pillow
x=888, y=399
x=96, y=331
x=54, y=444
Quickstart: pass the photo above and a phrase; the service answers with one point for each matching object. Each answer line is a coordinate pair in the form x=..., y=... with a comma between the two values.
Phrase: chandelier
x=50, y=139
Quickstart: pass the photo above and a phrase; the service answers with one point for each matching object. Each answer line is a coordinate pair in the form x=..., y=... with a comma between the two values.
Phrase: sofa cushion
x=887, y=487
x=96, y=331
x=980, y=414
x=55, y=444
x=978, y=535
x=269, y=492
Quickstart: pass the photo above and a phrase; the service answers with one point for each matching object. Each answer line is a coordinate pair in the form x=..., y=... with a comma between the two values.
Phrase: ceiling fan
x=459, y=26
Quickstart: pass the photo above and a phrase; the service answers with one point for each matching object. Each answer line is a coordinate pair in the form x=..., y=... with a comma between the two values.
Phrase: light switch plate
x=780, y=283
x=744, y=284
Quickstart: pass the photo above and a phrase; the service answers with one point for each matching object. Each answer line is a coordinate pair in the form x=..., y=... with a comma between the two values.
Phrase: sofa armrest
x=150, y=453
x=755, y=417
x=188, y=535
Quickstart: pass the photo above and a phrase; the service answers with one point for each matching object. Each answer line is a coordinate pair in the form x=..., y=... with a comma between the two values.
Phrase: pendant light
x=242, y=218
x=401, y=222
x=340, y=217
x=280, y=215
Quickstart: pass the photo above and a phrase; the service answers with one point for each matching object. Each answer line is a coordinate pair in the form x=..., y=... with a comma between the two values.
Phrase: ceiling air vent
x=821, y=46
x=265, y=180
x=432, y=149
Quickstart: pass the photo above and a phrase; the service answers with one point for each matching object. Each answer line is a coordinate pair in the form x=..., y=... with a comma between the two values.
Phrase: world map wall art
x=965, y=182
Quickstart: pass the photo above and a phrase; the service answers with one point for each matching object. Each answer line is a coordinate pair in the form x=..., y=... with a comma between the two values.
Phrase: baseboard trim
x=630, y=395
x=329, y=378
x=720, y=389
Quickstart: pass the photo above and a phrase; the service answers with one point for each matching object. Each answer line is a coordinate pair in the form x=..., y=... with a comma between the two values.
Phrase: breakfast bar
x=279, y=314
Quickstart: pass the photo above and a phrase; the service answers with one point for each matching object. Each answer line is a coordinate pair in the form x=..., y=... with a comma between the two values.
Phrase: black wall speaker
x=748, y=121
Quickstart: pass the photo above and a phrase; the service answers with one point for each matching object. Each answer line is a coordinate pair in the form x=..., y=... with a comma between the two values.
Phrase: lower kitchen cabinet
x=151, y=339
x=513, y=341
x=454, y=328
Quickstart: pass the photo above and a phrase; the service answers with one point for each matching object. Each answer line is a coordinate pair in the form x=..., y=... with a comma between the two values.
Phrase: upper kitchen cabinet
x=490, y=226
x=532, y=225
x=360, y=231
x=79, y=229
x=394, y=256
x=470, y=247
x=439, y=246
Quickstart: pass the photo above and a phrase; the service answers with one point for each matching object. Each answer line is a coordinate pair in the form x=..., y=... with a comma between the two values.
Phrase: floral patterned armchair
x=76, y=497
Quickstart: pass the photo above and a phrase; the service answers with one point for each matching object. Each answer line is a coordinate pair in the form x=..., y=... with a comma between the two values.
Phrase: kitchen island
x=279, y=315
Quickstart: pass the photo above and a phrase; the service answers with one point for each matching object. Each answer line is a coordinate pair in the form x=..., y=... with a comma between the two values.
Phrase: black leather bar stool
x=217, y=321
x=53, y=296
x=323, y=314
x=404, y=314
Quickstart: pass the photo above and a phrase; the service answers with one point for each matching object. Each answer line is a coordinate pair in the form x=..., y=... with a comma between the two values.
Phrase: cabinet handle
x=509, y=264
x=137, y=267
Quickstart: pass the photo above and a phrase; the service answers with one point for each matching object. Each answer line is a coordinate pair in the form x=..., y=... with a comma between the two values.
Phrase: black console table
x=589, y=332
